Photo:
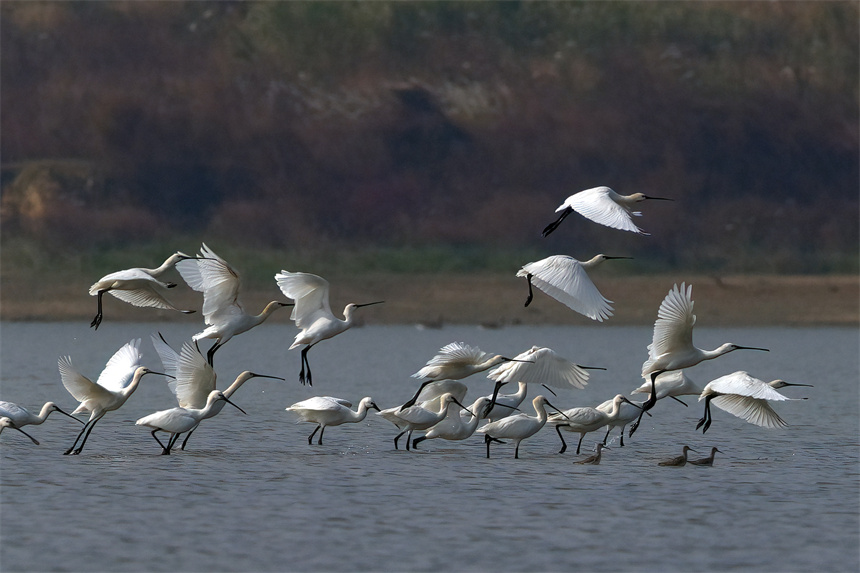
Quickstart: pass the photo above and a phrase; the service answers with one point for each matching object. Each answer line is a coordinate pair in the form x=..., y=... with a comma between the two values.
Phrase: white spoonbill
x=417, y=418
x=114, y=386
x=7, y=423
x=678, y=461
x=431, y=395
x=456, y=425
x=539, y=365
x=138, y=286
x=454, y=361
x=708, y=461
x=517, y=427
x=22, y=417
x=194, y=379
x=224, y=315
x=175, y=421
x=746, y=397
x=584, y=419
x=506, y=404
x=605, y=206
x=565, y=279
x=672, y=345
x=627, y=412
x=312, y=313
x=327, y=411
x=595, y=459
x=671, y=385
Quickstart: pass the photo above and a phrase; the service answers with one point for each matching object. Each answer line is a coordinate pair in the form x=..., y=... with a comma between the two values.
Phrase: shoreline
x=491, y=300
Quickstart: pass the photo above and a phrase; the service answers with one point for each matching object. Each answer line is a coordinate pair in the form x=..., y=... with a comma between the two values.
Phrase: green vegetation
x=429, y=136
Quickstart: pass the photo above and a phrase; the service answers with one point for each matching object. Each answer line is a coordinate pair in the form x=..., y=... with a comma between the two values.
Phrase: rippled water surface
x=249, y=494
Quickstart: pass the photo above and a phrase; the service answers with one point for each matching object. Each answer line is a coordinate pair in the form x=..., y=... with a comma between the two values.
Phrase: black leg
x=306, y=379
x=517, y=451
x=210, y=355
x=98, y=319
x=649, y=403
x=163, y=449
x=416, y=441
x=609, y=429
x=87, y=435
x=554, y=225
x=531, y=293
x=411, y=401
x=560, y=437
x=171, y=443
x=580, y=443
x=188, y=435
x=81, y=433
x=319, y=441
x=311, y=437
x=487, y=440
x=397, y=438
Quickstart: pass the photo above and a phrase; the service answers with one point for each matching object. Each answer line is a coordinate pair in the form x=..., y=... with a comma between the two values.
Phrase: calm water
x=251, y=495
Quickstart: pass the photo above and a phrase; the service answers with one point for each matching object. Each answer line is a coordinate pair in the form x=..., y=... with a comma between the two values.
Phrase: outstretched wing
x=673, y=329
x=215, y=278
x=564, y=279
x=310, y=293
x=541, y=366
x=597, y=205
x=119, y=370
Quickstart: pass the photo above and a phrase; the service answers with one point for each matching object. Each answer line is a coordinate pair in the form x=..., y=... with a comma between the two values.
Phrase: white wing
x=12, y=410
x=597, y=205
x=119, y=370
x=564, y=279
x=434, y=390
x=215, y=278
x=753, y=410
x=195, y=379
x=153, y=296
x=78, y=385
x=310, y=293
x=454, y=355
x=673, y=329
x=321, y=404
x=544, y=367
x=742, y=384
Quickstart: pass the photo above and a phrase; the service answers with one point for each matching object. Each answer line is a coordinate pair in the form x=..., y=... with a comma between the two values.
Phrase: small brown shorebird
x=680, y=460
x=595, y=459
x=708, y=461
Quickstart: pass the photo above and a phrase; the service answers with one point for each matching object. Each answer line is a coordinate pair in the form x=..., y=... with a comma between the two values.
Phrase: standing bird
x=708, y=461
x=454, y=361
x=506, y=404
x=312, y=313
x=595, y=459
x=539, y=365
x=605, y=206
x=418, y=418
x=518, y=427
x=326, y=411
x=457, y=425
x=7, y=423
x=138, y=286
x=193, y=379
x=678, y=461
x=565, y=279
x=627, y=412
x=176, y=421
x=224, y=315
x=22, y=417
x=746, y=397
x=584, y=420
x=672, y=344
x=114, y=386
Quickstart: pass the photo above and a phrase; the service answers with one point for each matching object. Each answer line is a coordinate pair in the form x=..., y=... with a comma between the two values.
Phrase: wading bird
x=595, y=459
x=456, y=425
x=176, y=421
x=672, y=344
x=584, y=420
x=7, y=423
x=627, y=412
x=327, y=411
x=605, y=206
x=312, y=313
x=417, y=418
x=708, y=461
x=22, y=417
x=746, y=397
x=224, y=315
x=138, y=286
x=678, y=461
x=506, y=404
x=454, y=361
x=517, y=427
x=539, y=365
x=114, y=386
x=193, y=379
x=565, y=279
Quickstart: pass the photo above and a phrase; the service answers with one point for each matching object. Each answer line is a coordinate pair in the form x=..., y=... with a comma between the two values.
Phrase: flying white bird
x=709, y=461
x=138, y=286
x=540, y=365
x=605, y=206
x=746, y=397
x=7, y=423
x=672, y=347
x=312, y=313
x=517, y=427
x=193, y=379
x=418, y=418
x=457, y=425
x=565, y=279
x=223, y=313
x=176, y=421
x=584, y=420
x=114, y=386
x=454, y=361
x=678, y=461
x=327, y=411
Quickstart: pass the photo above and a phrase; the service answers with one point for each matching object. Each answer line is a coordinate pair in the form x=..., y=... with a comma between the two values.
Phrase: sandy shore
x=492, y=300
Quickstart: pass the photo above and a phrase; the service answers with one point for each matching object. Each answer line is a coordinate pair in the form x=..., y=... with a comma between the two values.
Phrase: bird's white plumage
x=216, y=279
x=459, y=425
x=116, y=376
x=311, y=293
x=605, y=206
x=180, y=420
x=194, y=379
x=330, y=411
x=672, y=340
x=566, y=280
x=674, y=383
x=455, y=361
x=541, y=366
x=20, y=416
x=746, y=397
x=519, y=426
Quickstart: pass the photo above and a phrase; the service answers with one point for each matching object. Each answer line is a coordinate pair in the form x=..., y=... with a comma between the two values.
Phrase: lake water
x=249, y=494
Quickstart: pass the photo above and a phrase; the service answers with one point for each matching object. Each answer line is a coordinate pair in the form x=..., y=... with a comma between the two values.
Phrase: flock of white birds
x=437, y=407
